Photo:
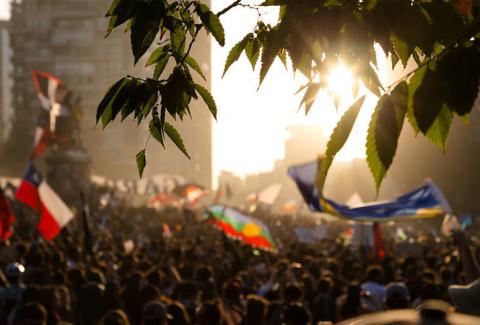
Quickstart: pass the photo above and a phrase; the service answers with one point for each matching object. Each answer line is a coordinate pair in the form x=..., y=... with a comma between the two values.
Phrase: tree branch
x=226, y=9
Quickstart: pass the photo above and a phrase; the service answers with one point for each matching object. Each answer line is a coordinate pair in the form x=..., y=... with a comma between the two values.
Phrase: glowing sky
x=250, y=133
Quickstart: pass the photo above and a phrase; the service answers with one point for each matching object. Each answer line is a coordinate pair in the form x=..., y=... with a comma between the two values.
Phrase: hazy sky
x=250, y=132
x=4, y=9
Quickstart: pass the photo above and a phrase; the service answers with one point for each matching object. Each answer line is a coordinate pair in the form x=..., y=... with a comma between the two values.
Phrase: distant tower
x=66, y=38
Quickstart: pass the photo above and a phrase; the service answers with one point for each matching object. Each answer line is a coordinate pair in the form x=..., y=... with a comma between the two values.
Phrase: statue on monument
x=58, y=136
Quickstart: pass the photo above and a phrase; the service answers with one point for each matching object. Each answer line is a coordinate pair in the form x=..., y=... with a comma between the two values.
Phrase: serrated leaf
x=119, y=101
x=155, y=127
x=178, y=40
x=176, y=138
x=195, y=66
x=413, y=85
x=160, y=67
x=428, y=99
x=402, y=49
x=120, y=11
x=211, y=23
x=158, y=55
x=310, y=96
x=461, y=67
x=384, y=130
x=235, y=52
x=108, y=98
x=338, y=138
x=141, y=162
x=271, y=47
x=142, y=35
x=438, y=132
x=370, y=79
x=208, y=99
x=252, y=51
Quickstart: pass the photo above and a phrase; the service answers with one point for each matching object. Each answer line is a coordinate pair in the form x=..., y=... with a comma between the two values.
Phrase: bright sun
x=340, y=81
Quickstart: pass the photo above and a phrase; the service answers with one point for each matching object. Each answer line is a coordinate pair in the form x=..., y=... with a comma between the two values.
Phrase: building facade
x=5, y=82
x=67, y=39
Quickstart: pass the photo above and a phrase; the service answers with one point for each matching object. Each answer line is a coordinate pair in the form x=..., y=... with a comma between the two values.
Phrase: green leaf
x=438, y=132
x=158, y=55
x=271, y=47
x=121, y=11
x=195, y=66
x=448, y=23
x=119, y=101
x=108, y=98
x=211, y=23
x=141, y=162
x=160, y=67
x=208, y=99
x=156, y=130
x=310, y=96
x=142, y=35
x=461, y=67
x=178, y=40
x=428, y=99
x=176, y=138
x=402, y=49
x=370, y=79
x=413, y=85
x=384, y=130
x=252, y=50
x=235, y=52
x=338, y=138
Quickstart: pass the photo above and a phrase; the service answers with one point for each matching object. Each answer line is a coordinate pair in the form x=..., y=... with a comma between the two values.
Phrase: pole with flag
x=37, y=194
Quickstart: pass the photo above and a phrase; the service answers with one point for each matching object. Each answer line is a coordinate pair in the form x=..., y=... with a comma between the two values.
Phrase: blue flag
x=426, y=201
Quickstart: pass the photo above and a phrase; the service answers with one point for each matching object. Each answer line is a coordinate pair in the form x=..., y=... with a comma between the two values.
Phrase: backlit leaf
x=339, y=137
x=141, y=162
x=384, y=130
x=208, y=99
x=176, y=138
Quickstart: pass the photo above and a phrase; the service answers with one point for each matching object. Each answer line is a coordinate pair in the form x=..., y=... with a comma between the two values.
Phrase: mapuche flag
x=241, y=227
x=6, y=218
x=38, y=195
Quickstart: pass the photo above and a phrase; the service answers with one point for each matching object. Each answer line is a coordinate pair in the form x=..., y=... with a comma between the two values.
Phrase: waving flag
x=239, y=226
x=426, y=201
x=46, y=86
x=36, y=193
x=191, y=192
x=6, y=217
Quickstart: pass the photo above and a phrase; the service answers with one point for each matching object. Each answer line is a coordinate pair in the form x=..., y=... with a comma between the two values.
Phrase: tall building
x=5, y=82
x=67, y=39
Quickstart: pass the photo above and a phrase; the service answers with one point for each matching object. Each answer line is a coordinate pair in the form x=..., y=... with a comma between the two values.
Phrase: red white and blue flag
x=37, y=194
x=6, y=218
x=46, y=86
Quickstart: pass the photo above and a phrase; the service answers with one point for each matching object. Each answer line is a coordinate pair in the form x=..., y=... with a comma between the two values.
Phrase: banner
x=426, y=201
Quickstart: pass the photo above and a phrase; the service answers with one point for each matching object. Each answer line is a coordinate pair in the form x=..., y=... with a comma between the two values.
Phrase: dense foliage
x=440, y=35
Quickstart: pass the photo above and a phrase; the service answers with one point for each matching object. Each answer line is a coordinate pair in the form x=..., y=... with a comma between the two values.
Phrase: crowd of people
x=119, y=265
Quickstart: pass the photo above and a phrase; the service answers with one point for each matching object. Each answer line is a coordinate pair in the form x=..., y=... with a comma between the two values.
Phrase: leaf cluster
x=441, y=36
x=168, y=93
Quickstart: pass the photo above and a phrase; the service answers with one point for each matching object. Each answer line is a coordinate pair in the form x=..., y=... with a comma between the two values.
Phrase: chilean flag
x=6, y=218
x=37, y=194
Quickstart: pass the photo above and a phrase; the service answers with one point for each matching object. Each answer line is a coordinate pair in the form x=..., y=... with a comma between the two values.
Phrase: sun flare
x=340, y=81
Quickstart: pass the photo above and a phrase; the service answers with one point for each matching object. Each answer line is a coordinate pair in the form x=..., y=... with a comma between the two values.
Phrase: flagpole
x=87, y=238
